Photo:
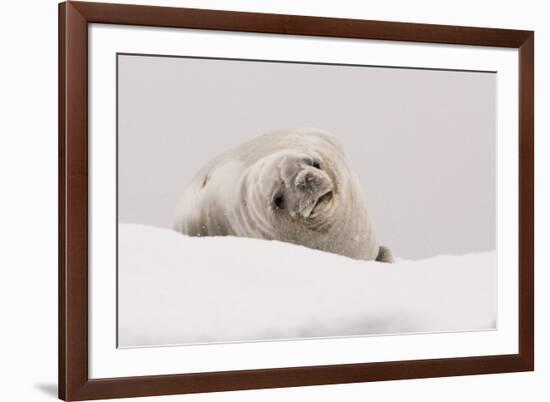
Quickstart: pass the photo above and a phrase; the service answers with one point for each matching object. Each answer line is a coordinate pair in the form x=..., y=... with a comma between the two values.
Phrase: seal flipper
x=384, y=254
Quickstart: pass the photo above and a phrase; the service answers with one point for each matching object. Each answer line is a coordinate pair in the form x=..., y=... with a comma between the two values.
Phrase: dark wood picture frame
x=74, y=381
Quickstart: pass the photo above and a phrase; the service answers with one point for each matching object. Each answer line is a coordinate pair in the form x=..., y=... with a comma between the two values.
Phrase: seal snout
x=315, y=190
x=310, y=180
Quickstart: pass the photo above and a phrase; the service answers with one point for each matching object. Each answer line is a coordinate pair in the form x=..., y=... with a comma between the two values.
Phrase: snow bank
x=175, y=289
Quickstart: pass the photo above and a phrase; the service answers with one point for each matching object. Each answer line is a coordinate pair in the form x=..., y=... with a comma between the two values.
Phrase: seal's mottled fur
x=292, y=185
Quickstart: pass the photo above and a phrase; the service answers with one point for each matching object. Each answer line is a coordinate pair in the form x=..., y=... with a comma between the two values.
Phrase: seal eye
x=316, y=165
x=279, y=201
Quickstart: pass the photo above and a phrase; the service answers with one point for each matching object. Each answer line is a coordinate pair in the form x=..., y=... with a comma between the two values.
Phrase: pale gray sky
x=422, y=142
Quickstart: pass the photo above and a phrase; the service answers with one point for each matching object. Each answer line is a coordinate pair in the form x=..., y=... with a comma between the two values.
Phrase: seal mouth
x=321, y=201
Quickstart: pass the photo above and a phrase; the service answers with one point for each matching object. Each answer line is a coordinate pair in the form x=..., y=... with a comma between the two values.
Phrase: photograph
x=268, y=200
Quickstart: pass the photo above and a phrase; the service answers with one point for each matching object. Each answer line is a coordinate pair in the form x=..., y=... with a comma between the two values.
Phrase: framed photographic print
x=260, y=200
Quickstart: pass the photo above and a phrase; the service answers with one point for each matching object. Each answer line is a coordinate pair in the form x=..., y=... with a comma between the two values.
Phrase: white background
x=28, y=166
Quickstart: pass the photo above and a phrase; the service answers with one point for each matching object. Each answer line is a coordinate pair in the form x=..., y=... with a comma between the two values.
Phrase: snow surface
x=175, y=289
